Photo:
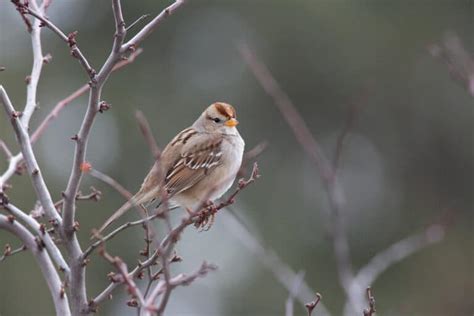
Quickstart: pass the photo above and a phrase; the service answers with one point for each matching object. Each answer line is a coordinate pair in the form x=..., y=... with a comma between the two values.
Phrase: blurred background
x=409, y=156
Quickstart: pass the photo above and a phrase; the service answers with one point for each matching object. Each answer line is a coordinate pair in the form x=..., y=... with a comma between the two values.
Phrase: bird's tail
x=135, y=201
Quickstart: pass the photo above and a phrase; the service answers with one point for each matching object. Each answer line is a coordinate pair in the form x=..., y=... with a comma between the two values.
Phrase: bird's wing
x=198, y=156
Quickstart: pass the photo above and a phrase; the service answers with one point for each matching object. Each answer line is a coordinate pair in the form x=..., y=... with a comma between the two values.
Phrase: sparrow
x=199, y=164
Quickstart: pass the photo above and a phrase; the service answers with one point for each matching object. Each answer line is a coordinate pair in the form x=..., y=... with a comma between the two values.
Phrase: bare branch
x=112, y=182
x=150, y=27
x=147, y=134
x=396, y=253
x=313, y=149
x=179, y=280
x=282, y=272
x=41, y=189
x=44, y=236
x=144, y=16
x=289, y=310
x=31, y=93
x=70, y=39
x=8, y=251
x=121, y=267
x=311, y=305
x=113, y=233
x=371, y=310
x=73, y=96
x=5, y=149
x=44, y=262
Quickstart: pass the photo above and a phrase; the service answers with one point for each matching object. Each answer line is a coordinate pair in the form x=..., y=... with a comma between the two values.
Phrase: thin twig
x=8, y=251
x=135, y=41
x=121, y=267
x=282, y=272
x=315, y=153
x=147, y=134
x=179, y=280
x=311, y=305
x=289, y=309
x=73, y=96
x=70, y=39
x=144, y=16
x=5, y=149
x=370, y=297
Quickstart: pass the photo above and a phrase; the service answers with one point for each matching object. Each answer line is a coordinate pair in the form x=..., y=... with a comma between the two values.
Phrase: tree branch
x=40, y=230
x=150, y=27
x=50, y=274
x=39, y=185
x=69, y=39
x=328, y=173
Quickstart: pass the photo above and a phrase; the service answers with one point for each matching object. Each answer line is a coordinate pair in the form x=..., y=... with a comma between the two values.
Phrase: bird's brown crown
x=225, y=109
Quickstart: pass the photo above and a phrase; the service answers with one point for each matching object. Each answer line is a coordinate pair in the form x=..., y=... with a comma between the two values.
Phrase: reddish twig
x=371, y=310
x=311, y=305
x=121, y=267
x=147, y=134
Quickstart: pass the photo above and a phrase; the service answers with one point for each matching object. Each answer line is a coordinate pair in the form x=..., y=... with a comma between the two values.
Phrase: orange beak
x=231, y=122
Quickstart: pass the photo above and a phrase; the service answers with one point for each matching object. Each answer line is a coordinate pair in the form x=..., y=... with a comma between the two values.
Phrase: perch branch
x=172, y=237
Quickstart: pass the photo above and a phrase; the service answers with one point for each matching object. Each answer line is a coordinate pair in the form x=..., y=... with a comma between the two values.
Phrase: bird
x=198, y=165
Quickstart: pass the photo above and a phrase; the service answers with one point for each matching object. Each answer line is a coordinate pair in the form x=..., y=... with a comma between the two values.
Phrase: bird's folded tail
x=135, y=201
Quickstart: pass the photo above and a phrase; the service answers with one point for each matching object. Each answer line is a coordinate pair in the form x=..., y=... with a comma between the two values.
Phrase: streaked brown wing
x=196, y=160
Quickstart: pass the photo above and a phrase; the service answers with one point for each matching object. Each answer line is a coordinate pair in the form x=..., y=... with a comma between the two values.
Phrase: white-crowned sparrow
x=198, y=165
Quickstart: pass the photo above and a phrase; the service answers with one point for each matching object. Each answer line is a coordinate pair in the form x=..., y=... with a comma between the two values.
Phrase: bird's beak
x=231, y=122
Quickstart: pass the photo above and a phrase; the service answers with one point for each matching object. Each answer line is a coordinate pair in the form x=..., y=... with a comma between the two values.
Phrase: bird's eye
x=217, y=120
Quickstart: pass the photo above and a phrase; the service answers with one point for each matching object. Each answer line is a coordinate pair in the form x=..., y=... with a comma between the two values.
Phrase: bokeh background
x=409, y=156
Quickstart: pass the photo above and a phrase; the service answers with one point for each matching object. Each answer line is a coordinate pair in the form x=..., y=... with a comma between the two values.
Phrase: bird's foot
x=206, y=218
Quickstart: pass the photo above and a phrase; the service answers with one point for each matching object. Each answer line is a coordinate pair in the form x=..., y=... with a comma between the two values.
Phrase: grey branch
x=179, y=280
x=282, y=272
x=289, y=309
x=328, y=173
x=39, y=184
x=31, y=99
x=44, y=262
x=394, y=254
x=150, y=27
x=42, y=233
